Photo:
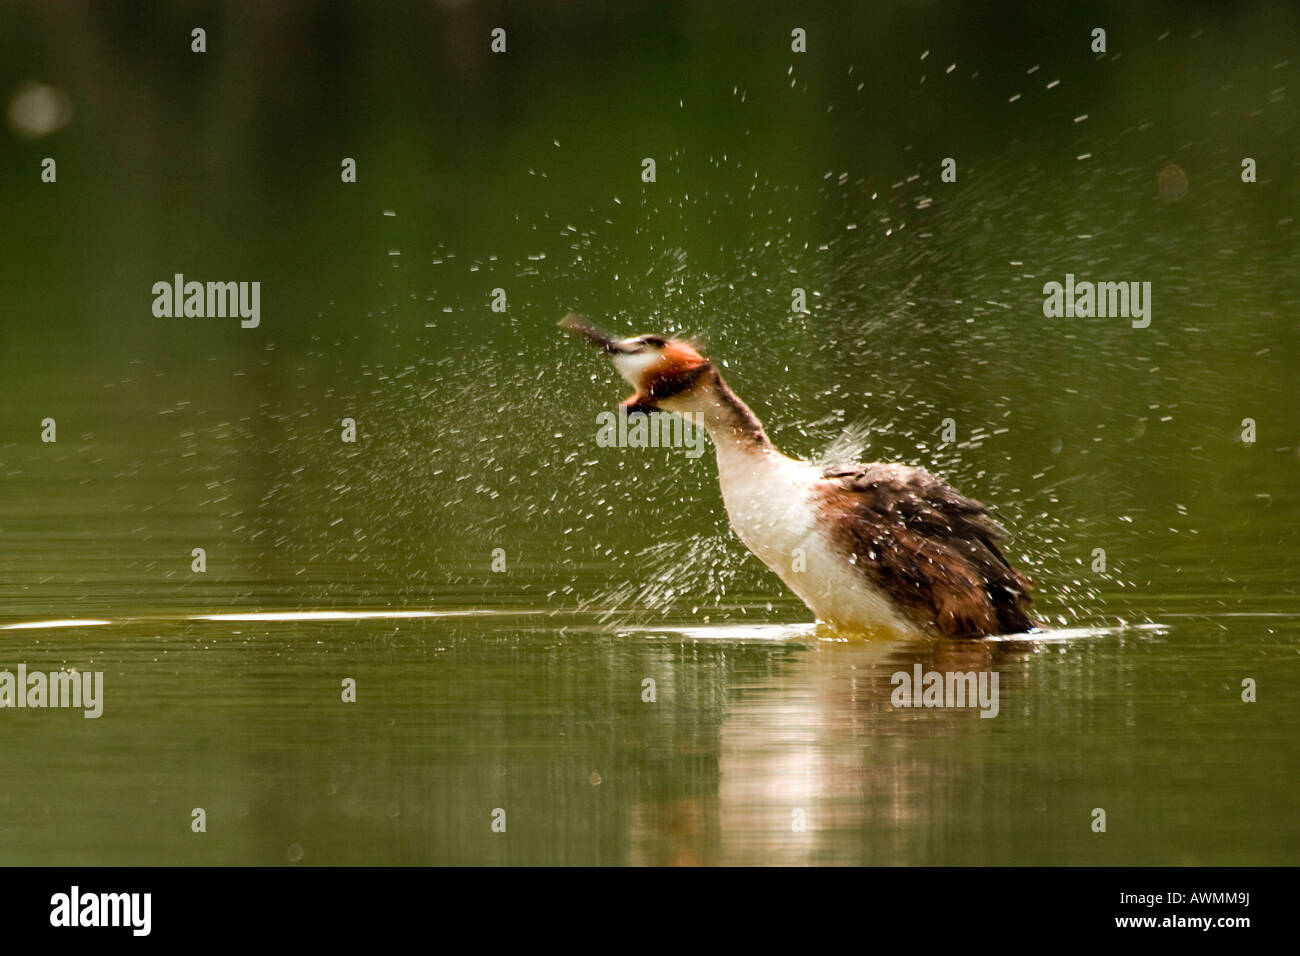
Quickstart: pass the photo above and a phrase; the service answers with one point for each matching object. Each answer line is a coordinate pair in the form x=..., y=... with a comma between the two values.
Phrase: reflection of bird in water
x=863, y=545
x=811, y=762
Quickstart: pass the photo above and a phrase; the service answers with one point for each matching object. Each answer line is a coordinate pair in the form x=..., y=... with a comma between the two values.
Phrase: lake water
x=498, y=587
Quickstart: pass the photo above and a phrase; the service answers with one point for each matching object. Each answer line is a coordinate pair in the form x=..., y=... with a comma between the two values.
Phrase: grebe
x=864, y=546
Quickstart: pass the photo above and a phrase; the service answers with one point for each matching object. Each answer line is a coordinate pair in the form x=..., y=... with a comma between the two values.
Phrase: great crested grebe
x=865, y=546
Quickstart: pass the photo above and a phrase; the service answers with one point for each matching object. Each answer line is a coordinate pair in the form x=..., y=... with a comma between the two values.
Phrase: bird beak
x=580, y=327
x=576, y=325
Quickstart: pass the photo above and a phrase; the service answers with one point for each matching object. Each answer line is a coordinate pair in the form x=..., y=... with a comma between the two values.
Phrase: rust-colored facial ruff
x=678, y=368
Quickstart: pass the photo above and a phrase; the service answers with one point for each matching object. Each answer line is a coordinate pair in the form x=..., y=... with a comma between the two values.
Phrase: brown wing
x=930, y=548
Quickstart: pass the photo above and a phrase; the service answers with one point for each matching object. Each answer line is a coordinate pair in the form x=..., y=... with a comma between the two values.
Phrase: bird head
x=663, y=371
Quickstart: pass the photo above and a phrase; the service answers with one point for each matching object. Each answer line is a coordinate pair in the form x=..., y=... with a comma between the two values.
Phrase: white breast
x=770, y=501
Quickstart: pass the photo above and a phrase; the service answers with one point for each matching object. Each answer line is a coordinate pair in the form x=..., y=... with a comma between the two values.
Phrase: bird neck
x=733, y=428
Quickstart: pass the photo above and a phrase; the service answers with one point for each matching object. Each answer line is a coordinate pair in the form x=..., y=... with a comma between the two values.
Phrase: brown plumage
x=930, y=548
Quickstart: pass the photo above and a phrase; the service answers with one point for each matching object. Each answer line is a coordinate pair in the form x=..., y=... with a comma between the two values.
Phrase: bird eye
x=641, y=343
